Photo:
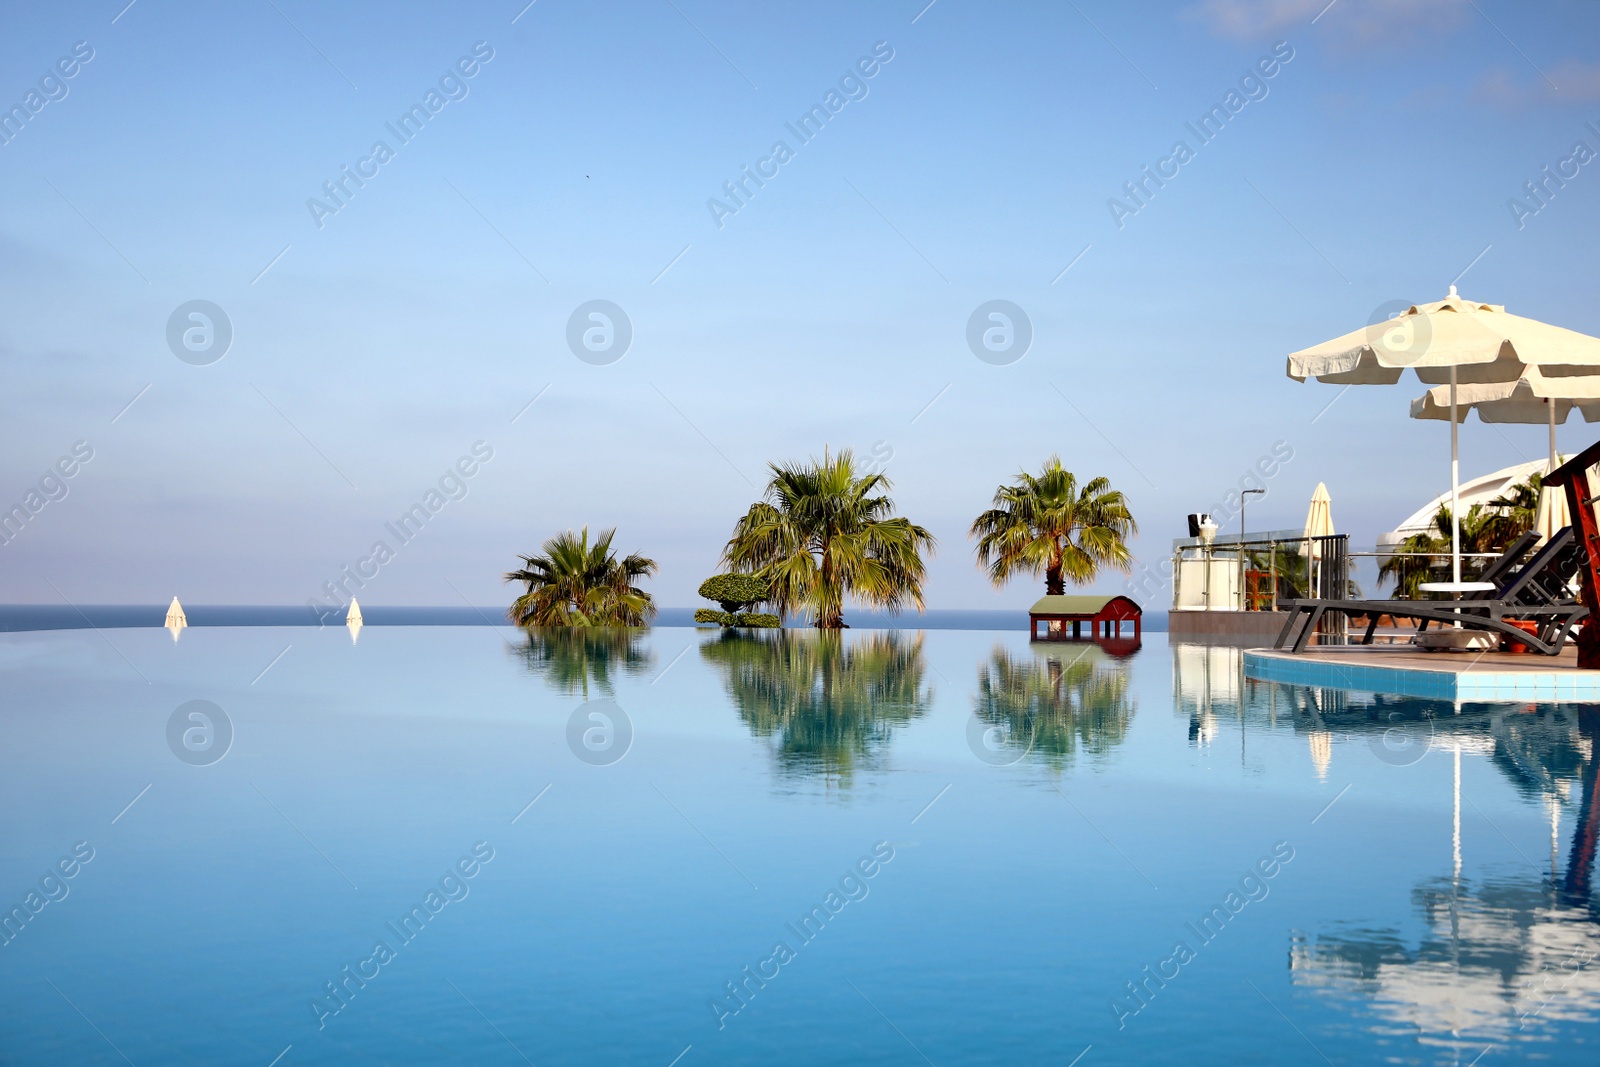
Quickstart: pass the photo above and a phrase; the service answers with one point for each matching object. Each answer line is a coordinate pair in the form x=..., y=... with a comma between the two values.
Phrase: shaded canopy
x=1486, y=342
x=1531, y=398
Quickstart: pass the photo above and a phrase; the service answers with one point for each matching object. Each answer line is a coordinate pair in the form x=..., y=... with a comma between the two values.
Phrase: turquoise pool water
x=442, y=845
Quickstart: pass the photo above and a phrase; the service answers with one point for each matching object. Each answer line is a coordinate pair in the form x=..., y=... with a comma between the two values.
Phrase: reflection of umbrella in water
x=1494, y=965
x=1504, y=958
x=1454, y=342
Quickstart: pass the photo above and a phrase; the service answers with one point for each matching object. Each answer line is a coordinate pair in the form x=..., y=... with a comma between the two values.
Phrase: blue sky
x=371, y=353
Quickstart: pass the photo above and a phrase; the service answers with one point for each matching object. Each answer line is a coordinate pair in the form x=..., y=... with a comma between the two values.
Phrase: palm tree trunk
x=1054, y=584
x=830, y=615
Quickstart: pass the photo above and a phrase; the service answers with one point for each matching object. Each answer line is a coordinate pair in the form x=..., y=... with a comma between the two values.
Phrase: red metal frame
x=1574, y=474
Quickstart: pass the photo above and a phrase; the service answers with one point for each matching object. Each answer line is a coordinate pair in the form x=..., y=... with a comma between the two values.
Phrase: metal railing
x=1254, y=571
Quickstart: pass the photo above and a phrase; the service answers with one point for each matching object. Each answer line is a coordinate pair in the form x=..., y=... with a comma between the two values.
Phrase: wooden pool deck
x=1407, y=671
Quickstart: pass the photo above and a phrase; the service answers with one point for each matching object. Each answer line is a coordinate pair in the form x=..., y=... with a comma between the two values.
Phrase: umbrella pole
x=1455, y=486
x=1551, y=405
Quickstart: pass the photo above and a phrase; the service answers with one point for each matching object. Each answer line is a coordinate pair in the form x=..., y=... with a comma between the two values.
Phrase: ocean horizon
x=16, y=618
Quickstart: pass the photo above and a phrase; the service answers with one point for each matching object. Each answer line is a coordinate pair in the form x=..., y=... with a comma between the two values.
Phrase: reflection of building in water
x=1502, y=961
x=828, y=701
x=1052, y=701
x=1204, y=679
x=1211, y=690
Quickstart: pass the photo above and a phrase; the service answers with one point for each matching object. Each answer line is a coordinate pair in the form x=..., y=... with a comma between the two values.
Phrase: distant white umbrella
x=1319, y=518
x=1452, y=342
x=1319, y=523
x=352, y=619
x=176, y=619
x=1553, y=515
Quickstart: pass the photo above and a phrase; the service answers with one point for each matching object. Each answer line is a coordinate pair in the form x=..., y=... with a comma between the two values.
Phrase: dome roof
x=1479, y=490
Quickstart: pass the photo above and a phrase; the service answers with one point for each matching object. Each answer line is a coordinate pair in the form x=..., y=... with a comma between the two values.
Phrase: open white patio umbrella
x=1454, y=342
x=1533, y=398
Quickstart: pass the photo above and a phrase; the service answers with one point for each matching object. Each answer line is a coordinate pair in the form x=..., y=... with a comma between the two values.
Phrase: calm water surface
x=454, y=845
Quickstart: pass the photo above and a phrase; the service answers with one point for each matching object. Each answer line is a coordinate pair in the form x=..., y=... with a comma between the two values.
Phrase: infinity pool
x=440, y=845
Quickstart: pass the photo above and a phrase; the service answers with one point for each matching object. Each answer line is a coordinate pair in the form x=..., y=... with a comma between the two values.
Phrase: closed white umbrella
x=1319, y=517
x=1455, y=342
x=352, y=619
x=1553, y=515
x=176, y=619
x=1319, y=523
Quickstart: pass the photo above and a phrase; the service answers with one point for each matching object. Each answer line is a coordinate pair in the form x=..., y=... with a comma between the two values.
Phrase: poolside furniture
x=1104, y=614
x=1460, y=344
x=1512, y=557
x=1538, y=590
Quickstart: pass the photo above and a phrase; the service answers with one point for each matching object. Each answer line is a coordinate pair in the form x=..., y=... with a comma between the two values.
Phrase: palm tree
x=1045, y=524
x=825, y=531
x=1417, y=555
x=1516, y=510
x=575, y=583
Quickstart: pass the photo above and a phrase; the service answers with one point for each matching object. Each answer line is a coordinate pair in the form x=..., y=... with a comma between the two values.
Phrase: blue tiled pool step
x=1419, y=674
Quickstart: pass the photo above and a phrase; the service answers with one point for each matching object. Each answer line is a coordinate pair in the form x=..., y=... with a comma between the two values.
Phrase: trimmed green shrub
x=737, y=618
x=735, y=591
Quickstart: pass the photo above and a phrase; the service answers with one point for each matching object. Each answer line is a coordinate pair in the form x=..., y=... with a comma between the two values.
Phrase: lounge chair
x=1537, y=591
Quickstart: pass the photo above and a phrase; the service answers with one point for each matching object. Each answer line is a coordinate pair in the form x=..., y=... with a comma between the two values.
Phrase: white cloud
x=1573, y=81
x=1362, y=21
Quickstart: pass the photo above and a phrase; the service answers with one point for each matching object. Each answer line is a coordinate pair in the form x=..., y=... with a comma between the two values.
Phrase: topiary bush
x=733, y=592
x=752, y=619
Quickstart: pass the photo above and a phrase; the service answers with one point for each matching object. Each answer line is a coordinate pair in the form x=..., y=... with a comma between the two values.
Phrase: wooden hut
x=1104, y=614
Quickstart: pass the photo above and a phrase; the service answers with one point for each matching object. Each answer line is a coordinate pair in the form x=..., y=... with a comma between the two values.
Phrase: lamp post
x=1244, y=498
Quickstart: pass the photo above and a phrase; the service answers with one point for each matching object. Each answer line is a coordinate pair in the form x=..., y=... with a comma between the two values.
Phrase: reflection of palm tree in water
x=572, y=658
x=1506, y=959
x=829, y=700
x=1054, y=702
